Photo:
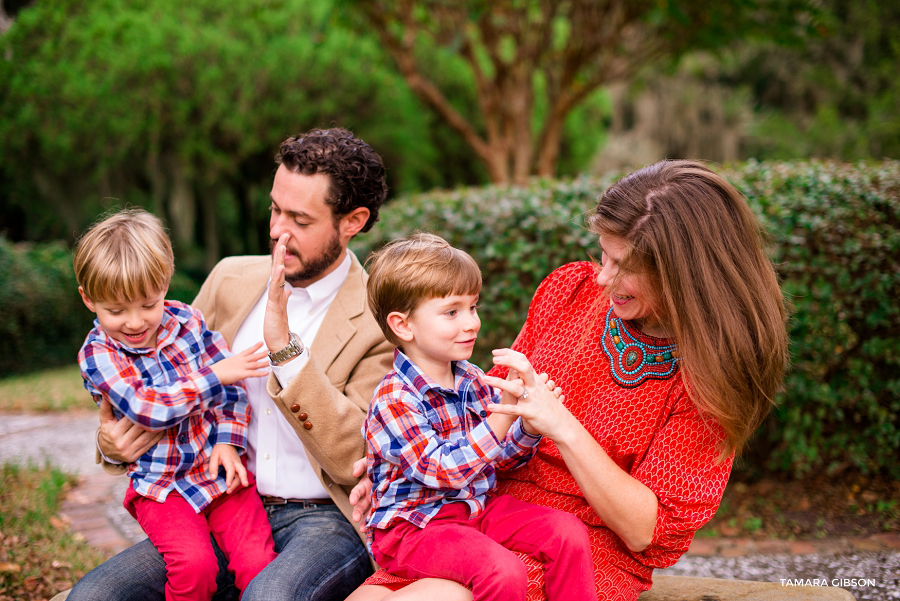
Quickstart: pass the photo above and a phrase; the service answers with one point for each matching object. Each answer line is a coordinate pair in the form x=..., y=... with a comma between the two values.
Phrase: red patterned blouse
x=625, y=388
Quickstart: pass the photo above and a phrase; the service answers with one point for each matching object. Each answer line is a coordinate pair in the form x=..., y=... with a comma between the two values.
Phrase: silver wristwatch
x=294, y=348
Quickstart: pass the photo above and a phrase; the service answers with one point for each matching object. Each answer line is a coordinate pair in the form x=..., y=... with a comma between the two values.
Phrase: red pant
x=237, y=521
x=478, y=553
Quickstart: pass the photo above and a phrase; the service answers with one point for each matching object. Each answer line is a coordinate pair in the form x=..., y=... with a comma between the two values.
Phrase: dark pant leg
x=320, y=556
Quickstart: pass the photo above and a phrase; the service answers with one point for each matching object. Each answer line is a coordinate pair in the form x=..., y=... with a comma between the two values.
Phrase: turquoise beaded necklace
x=633, y=360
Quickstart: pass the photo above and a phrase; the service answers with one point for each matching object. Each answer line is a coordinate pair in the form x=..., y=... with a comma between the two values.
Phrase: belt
x=307, y=503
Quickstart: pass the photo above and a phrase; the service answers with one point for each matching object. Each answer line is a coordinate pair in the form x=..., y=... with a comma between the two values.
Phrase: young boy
x=161, y=368
x=432, y=448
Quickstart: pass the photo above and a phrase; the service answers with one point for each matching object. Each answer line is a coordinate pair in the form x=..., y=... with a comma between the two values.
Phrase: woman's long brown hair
x=692, y=233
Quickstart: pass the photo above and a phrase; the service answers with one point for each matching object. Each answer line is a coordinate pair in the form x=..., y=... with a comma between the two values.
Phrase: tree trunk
x=182, y=208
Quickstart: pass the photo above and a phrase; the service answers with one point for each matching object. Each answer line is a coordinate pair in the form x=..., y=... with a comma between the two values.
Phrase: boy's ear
x=399, y=324
x=87, y=302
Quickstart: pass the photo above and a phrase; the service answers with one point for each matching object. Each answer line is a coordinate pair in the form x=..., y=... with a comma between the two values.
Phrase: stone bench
x=684, y=588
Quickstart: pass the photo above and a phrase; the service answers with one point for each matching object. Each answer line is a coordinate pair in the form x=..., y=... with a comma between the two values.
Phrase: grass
x=39, y=556
x=58, y=389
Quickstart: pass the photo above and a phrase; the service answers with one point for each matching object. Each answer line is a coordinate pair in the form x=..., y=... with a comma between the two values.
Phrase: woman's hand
x=361, y=495
x=276, y=331
x=541, y=409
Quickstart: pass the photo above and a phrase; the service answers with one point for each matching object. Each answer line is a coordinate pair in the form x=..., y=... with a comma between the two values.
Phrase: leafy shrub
x=836, y=229
x=42, y=319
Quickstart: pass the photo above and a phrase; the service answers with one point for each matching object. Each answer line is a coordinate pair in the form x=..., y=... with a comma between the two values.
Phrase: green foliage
x=835, y=95
x=836, y=229
x=44, y=321
x=838, y=253
x=180, y=106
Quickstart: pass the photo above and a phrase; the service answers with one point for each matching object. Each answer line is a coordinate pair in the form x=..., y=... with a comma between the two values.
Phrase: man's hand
x=121, y=439
x=249, y=363
x=225, y=455
x=361, y=495
x=276, y=330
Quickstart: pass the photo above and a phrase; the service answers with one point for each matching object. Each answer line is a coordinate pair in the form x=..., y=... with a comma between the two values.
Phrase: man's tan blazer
x=327, y=402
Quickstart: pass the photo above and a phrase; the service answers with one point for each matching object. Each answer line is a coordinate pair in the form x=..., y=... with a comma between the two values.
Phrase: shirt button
x=303, y=417
x=182, y=438
x=268, y=412
x=307, y=425
x=266, y=455
x=295, y=408
x=483, y=413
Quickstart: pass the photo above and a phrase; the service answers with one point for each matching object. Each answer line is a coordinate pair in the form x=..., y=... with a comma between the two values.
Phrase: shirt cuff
x=522, y=438
x=287, y=372
x=104, y=457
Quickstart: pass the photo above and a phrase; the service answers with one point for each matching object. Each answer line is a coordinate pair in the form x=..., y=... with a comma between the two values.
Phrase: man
x=307, y=302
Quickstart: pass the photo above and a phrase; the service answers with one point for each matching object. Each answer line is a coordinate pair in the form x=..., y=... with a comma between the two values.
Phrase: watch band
x=295, y=347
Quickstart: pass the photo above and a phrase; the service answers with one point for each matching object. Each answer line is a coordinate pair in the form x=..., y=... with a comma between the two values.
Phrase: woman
x=669, y=353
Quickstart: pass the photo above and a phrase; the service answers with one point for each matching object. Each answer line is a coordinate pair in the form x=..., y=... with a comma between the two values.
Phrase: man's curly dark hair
x=356, y=171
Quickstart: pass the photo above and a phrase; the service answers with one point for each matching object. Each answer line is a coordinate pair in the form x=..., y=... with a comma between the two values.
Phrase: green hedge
x=42, y=319
x=837, y=249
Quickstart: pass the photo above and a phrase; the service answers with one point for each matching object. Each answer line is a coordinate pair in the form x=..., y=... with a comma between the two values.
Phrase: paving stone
x=867, y=544
x=891, y=540
x=772, y=547
x=704, y=547
x=801, y=547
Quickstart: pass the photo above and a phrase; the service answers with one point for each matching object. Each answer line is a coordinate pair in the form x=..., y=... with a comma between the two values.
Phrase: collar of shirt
x=464, y=374
x=174, y=317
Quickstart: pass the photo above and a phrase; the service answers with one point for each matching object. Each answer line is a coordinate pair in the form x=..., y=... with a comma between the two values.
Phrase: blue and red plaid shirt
x=172, y=388
x=428, y=445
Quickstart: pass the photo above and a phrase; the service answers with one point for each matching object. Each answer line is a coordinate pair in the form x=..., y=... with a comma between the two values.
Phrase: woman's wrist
x=567, y=432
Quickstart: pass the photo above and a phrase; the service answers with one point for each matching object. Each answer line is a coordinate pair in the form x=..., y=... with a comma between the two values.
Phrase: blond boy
x=160, y=367
x=433, y=448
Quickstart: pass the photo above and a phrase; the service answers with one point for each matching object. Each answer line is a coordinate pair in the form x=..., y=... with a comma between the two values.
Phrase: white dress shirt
x=275, y=453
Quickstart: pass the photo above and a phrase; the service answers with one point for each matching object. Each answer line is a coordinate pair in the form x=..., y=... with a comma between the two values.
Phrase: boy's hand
x=249, y=363
x=507, y=397
x=226, y=456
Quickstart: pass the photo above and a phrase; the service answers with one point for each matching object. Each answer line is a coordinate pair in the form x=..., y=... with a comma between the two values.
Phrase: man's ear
x=353, y=222
x=87, y=302
x=399, y=324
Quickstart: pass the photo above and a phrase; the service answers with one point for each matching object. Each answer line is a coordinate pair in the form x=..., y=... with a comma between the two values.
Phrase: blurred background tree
x=180, y=107
x=532, y=62
x=832, y=91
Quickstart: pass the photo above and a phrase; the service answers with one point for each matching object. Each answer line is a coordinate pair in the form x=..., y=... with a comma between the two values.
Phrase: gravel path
x=63, y=439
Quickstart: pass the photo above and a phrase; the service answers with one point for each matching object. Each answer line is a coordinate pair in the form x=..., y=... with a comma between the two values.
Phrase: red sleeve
x=681, y=467
x=552, y=294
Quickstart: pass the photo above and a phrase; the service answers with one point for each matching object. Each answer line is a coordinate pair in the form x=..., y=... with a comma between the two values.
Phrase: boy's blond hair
x=124, y=257
x=412, y=270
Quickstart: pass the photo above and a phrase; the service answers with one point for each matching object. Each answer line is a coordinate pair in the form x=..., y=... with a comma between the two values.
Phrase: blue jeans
x=320, y=558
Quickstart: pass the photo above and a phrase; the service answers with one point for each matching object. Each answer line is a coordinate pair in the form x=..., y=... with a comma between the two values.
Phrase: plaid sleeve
x=400, y=434
x=151, y=406
x=230, y=407
x=518, y=447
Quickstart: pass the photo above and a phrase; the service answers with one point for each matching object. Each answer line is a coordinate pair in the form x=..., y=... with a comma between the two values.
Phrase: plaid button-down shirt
x=172, y=388
x=428, y=445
